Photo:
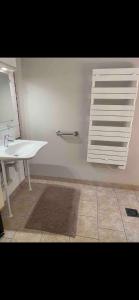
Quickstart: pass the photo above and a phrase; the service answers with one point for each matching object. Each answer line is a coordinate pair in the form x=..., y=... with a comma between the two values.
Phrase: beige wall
x=54, y=94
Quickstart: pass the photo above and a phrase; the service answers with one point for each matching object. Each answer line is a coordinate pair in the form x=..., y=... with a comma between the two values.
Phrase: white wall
x=54, y=94
x=11, y=61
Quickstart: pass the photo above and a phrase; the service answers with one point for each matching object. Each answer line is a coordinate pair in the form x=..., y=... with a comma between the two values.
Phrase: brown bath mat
x=56, y=211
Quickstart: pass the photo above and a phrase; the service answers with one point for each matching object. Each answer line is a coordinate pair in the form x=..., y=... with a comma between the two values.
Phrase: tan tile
x=22, y=208
x=15, y=223
x=87, y=198
x=123, y=191
x=132, y=232
x=22, y=204
x=108, y=235
x=110, y=219
x=107, y=203
x=88, y=193
x=26, y=237
x=54, y=238
x=105, y=192
x=87, y=227
x=9, y=234
x=4, y=212
x=25, y=197
x=80, y=239
x=28, y=230
x=88, y=189
x=5, y=240
x=137, y=195
x=127, y=198
x=88, y=208
x=106, y=199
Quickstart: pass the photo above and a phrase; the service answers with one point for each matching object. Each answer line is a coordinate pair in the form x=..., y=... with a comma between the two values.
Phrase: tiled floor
x=101, y=215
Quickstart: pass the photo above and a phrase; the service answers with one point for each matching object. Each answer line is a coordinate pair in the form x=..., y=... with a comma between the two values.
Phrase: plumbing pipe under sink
x=8, y=165
x=5, y=181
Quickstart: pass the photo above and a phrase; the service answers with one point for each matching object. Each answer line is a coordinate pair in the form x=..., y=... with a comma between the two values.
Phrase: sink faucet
x=7, y=138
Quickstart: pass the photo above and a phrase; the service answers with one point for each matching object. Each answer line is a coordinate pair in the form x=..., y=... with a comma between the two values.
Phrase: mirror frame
x=16, y=125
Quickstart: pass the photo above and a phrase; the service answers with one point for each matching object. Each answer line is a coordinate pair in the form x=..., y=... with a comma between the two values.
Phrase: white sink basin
x=21, y=149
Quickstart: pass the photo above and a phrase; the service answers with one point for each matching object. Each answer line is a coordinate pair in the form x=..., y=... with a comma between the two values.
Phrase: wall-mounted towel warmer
x=113, y=98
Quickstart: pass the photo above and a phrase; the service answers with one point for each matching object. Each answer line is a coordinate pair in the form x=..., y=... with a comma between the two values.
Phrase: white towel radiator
x=113, y=97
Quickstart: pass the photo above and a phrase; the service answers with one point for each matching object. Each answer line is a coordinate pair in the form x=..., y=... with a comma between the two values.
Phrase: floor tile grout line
x=136, y=196
x=108, y=228
x=87, y=237
x=120, y=214
x=88, y=217
x=113, y=194
x=111, y=229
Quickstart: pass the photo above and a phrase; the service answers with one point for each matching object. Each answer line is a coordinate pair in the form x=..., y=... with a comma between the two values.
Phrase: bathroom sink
x=21, y=149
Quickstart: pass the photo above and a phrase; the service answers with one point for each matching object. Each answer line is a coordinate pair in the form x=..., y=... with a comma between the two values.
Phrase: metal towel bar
x=60, y=133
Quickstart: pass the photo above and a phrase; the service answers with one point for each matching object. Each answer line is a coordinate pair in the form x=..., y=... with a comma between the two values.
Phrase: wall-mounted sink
x=19, y=150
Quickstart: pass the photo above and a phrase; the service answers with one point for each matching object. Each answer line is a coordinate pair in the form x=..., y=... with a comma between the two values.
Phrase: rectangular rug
x=56, y=211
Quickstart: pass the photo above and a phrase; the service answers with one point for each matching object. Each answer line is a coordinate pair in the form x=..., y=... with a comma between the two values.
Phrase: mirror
x=6, y=106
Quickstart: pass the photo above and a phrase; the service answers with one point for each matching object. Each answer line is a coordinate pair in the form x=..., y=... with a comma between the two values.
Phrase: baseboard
x=89, y=182
x=80, y=181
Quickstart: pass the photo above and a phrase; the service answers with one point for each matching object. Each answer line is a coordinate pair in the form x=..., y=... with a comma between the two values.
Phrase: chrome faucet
x=7, y=138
